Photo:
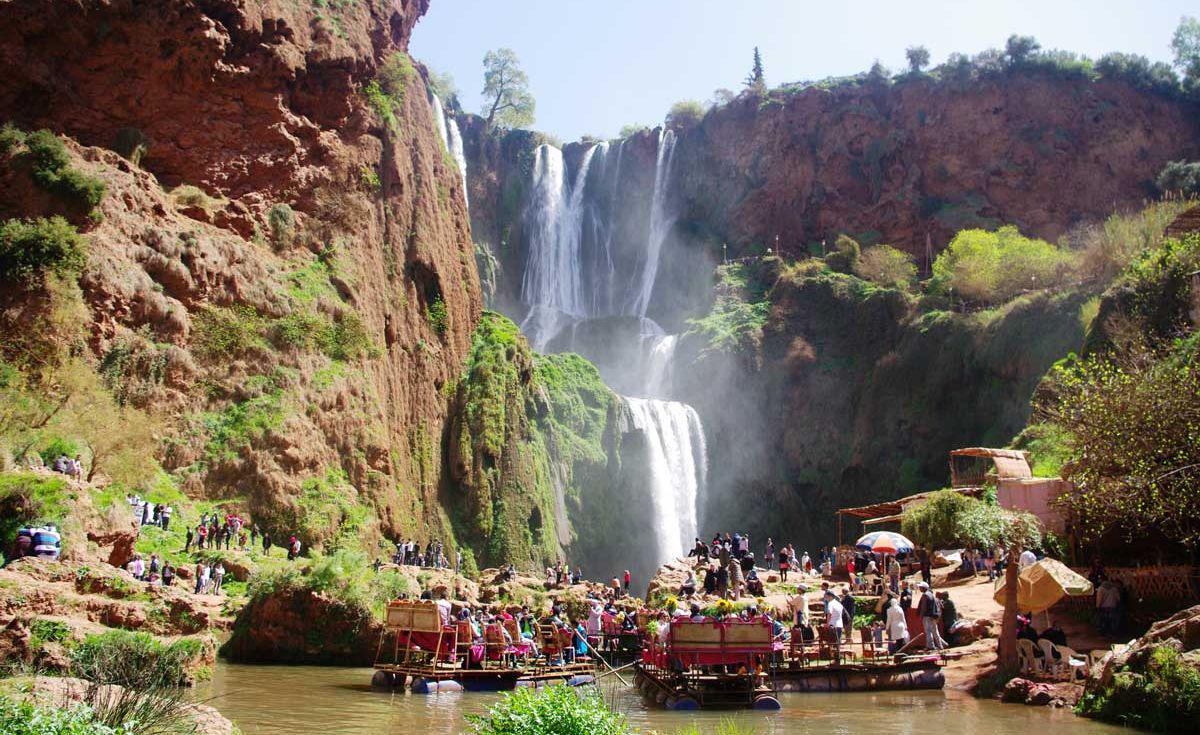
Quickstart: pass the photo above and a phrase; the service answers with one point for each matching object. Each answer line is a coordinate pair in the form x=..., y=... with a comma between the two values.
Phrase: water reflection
x=278, y=700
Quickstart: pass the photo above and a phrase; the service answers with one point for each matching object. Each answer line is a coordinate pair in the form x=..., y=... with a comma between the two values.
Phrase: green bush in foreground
x=134, y=660
x=25, y=718
x=1164, y=697
x=556, y=710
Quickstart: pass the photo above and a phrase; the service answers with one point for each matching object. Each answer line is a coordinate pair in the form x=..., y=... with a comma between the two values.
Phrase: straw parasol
x=1041, y=585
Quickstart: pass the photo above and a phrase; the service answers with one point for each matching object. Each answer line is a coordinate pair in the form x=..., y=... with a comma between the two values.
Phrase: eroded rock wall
x=297, y=361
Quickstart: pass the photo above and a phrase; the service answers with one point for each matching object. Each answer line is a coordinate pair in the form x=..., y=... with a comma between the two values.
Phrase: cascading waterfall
x=552, y=285
x=571, y=276
x=661, y=221
x=447, y=128
x=455, y=145
x=678, y=468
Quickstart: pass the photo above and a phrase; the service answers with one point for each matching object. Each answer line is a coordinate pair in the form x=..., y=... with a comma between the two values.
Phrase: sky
x=596, y=66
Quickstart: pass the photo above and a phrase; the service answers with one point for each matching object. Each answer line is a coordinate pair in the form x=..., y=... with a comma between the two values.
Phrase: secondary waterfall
x=447, y=127
x=678, y=468
x=661, y=221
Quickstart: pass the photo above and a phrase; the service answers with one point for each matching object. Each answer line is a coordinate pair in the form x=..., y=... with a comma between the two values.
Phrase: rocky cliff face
x=921, y=159
x=285, y=275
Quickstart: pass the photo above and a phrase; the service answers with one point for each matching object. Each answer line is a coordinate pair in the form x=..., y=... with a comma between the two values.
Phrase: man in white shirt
x=833, y=615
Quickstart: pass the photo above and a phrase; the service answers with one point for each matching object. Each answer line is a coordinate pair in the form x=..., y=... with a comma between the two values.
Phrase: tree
x=918, y=58
x=756, y=80
x=886, y=266
x=993, y=267
x=507, y=100
x=444, y=87
x=1132, y=418
x=1018, y=49
x=685, y=114
x=934, y=524
x=878, y=73
x=1186, y=45
x=845, y=254
x=722, y=96
x=632, y=129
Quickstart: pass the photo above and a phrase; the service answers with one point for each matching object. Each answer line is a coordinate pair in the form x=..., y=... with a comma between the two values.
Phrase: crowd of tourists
x=432, y=555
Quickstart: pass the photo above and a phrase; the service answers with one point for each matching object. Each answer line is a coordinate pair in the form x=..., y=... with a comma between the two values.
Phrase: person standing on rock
x=166, y=517
x=769, y=554
x=168, y=574
x=266, y=543
x=785, y=564
x=218, y=577
x=187, y=544
x=200, y=571
x=628, y=581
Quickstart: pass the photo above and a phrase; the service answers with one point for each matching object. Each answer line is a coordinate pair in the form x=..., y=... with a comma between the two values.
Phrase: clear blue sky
x=595, y=66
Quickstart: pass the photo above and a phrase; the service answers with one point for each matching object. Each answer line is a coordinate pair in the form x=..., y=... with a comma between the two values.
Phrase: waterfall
x=659, y=351
x=447, y=127
x=455, y=145
x=439, y=117
x=660, y=221
x=678, y=467
x=551, y=285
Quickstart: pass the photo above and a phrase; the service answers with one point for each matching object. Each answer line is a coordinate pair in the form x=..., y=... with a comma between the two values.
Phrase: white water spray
x=678, y=469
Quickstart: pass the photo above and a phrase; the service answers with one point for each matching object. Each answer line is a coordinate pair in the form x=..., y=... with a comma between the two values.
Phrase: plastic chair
x=1076, y=665
x=1052, y=666
x=1026, y=656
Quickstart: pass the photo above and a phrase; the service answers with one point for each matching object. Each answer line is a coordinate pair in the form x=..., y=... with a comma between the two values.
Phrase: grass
x=554, y=710
x=28, y=497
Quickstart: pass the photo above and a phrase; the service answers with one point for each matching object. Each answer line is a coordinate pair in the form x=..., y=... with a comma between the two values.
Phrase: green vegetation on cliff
x=1159, y=692
x=525, y=431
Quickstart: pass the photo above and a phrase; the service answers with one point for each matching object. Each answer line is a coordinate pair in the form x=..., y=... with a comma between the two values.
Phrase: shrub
x=227, y=331
x=11, y=138
x=555, y=710
x=27, y=718
x=369, y=179
x=685, y=114
x=282, y=221
x=28, y=497
x=395, y=74
x=133, y=660
x=31, y=248
x=1163, y=697
x=1180, y=177
x=993, y=267
x=845, y=254
x=52, y=172
x=437, y=316
x=886, y=266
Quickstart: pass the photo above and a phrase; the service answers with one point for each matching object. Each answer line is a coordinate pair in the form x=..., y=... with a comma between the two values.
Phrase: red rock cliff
x=260, y=105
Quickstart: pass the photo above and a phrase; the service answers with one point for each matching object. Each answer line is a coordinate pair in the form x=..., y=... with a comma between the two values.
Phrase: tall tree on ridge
x=507, y=100
x=756, y=81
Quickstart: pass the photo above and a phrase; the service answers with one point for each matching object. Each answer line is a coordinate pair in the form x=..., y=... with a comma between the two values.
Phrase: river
x=303, y=700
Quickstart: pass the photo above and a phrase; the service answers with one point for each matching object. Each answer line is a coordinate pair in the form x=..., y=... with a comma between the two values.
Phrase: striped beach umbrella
x=884, y=542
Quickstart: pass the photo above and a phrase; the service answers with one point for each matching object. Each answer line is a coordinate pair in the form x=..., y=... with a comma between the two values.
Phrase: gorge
x=257, y=260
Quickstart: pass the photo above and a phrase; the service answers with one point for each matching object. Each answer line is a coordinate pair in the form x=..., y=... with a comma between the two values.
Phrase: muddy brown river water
x=302, y=700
